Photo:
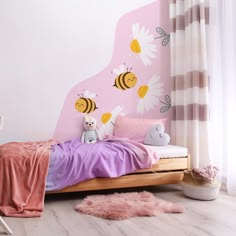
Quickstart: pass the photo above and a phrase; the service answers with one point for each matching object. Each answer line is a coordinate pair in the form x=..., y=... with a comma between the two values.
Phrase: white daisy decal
x=148, y=94
x=141, y=44
x=108, y=121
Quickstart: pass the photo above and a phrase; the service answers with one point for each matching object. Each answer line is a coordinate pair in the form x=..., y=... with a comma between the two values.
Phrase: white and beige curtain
x=222, y=69
x=189, y=21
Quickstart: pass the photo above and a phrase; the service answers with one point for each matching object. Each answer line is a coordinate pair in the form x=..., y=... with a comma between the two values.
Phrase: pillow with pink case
x=134, y=129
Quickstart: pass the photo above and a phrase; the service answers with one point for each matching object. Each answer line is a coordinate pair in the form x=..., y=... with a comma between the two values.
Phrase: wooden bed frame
x=165, y=171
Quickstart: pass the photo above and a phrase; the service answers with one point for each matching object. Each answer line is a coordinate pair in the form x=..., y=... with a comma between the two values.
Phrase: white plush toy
x=90, y=134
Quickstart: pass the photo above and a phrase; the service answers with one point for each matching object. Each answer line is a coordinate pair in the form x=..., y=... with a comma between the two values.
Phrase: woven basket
x=197, y=188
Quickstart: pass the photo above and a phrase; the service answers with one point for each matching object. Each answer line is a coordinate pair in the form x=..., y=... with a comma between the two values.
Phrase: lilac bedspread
x=72, y=161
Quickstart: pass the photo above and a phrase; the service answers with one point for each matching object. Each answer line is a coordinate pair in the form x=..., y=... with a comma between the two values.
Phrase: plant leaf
x=167, y=99
x=159, y=30
x=165, y=41
x=164, y=108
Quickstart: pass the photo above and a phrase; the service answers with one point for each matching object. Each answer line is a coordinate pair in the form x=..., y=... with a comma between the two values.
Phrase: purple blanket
x=72, y=161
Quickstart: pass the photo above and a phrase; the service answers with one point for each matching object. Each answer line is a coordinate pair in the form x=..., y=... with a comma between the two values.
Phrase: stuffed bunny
x=90, y=134
x=156, y=136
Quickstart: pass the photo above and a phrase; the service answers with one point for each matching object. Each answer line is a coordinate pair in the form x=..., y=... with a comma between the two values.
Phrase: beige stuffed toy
x=90, y=134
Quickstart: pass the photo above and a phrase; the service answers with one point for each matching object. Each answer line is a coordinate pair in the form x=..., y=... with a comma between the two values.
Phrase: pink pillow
x=134, y=128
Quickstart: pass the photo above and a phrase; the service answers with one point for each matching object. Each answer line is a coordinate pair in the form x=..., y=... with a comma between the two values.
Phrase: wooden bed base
x=165, y=171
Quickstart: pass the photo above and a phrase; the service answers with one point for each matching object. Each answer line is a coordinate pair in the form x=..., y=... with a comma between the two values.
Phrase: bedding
x=23, y=171
x=134, y=129
x=72, y=162
x=28, y=169
x=169, y=151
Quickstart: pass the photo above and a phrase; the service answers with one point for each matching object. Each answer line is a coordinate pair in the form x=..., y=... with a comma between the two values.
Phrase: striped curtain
x=189, y=20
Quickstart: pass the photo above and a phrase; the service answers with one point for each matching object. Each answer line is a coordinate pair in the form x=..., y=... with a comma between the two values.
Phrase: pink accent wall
x=108, y=97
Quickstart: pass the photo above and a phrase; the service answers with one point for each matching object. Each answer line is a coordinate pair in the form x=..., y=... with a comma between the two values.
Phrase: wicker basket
x=198, y=188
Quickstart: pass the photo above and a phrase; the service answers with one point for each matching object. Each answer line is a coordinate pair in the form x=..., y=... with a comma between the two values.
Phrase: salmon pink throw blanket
x=23, y=172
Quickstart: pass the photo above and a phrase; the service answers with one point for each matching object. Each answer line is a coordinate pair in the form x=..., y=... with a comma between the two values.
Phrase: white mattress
x=169, y=151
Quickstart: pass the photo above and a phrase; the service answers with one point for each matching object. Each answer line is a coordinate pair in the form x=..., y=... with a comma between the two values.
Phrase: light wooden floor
x=201, y=218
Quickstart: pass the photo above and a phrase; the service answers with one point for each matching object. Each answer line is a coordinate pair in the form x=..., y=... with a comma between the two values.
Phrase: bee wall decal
x=86, y=104
x=164, y=35
x=125, y=79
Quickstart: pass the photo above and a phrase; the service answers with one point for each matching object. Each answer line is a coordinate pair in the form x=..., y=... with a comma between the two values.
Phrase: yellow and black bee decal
x=85, y=104
x=125, y=78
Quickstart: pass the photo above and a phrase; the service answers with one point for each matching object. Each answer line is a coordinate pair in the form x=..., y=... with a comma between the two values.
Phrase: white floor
x=217, y=217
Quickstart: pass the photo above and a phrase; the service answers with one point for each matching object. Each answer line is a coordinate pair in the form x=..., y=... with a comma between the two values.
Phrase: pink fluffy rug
x=120, y=206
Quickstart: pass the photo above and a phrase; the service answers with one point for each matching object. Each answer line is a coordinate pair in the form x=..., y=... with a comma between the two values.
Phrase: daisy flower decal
x=142, y=44
x=108, y=121
x=148, y=94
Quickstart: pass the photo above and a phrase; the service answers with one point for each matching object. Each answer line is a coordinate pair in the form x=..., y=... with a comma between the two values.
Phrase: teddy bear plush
x=156, y=136
x=90, y=133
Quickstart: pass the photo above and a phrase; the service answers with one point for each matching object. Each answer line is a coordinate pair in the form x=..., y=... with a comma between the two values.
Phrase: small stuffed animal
x=156, y=136
x=90, y=134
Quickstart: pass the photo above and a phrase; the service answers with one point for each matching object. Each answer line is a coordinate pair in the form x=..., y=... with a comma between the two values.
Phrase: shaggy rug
x=120, y=206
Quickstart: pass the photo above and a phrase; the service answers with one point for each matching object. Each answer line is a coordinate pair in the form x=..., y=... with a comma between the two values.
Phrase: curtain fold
x=222, y=61
x=189, y=22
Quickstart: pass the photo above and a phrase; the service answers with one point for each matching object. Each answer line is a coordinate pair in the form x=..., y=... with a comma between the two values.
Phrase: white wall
x=46, y=47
